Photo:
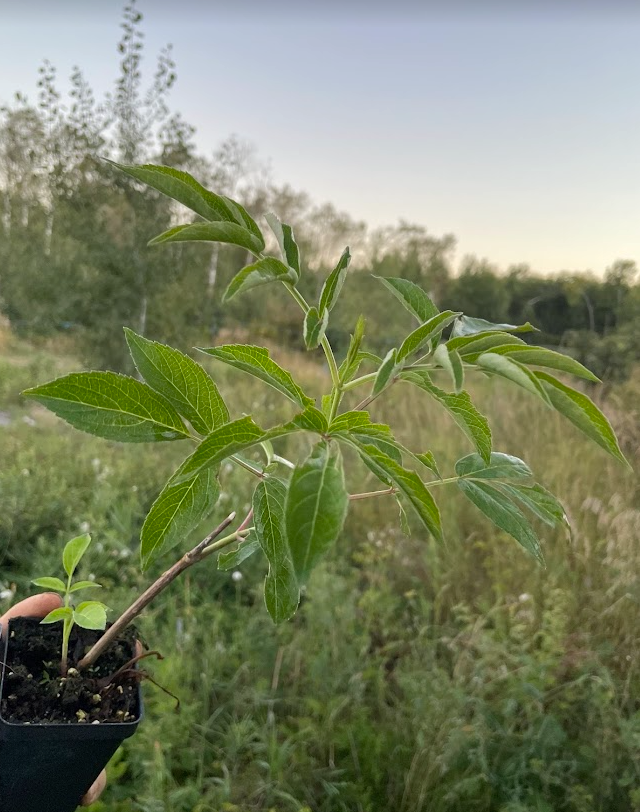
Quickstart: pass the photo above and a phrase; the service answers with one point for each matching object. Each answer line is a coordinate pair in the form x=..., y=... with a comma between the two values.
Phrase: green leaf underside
x=180, y=380
x=334, y=282
x=542, y=357
x=91, y=615
x=257, y=362
x=352, y=361
x=429, y=461
x=408, y=482
x=231, y=560
x=512, y=371
x=481, y=342
x=56, y=615
x=539, y=501
x=583, y=413
x=281, y=591
x=111, y=406
x=503, y=513
x=460, y=406
x=451, y=361
x=228, y=233
x=54, y=584
x=500, y=466
x=412, y=297
x=182, y=187
x=79, y=585
x=315, y=508
x=286, y=241
x=418, y=338
x=179, y=508
x=73, y=552
x=467, y=325
x=259, y=273
x=315, y=326
x=386, y=372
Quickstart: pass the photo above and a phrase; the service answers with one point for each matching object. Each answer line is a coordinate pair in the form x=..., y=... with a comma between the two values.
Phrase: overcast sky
x=516, y=127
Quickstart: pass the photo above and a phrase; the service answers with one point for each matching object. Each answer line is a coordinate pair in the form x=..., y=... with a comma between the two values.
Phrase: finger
x=96, y=790
x=36, y=606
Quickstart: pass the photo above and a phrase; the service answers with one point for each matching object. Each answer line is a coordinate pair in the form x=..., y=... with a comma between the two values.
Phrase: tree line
x=73, y=233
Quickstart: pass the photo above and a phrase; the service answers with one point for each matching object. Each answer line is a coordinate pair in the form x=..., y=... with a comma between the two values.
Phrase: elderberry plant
x=299, y=506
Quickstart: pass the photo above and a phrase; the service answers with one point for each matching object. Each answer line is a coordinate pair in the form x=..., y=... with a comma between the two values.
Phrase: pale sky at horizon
x=517, y=131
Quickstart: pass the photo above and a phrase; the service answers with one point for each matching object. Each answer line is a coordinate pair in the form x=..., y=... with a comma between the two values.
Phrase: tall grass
x=416, y=677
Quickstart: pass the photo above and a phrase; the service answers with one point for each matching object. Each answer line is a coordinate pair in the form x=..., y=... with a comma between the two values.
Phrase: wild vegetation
x=426, y=676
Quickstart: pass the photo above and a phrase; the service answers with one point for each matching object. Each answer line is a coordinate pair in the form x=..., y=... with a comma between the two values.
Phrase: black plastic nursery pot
x=48, y=767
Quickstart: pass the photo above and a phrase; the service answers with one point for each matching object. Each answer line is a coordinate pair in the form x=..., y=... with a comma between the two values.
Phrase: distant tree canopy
x=73, y=236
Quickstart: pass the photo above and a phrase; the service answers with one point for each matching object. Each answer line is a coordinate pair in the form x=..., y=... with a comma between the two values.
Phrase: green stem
x=447, y=481
x=66, y=634
x=370, y=376
x=326, y=346
x=255, y=471
x=238, y=535
x=389, y=491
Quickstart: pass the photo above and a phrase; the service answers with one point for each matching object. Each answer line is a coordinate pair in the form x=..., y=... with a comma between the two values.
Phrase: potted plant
x=299, y=505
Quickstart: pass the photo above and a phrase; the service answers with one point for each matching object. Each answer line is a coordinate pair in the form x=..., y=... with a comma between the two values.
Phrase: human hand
x=39, y=606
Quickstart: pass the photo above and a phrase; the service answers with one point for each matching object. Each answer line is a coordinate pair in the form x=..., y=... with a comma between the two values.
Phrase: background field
x=415, y=676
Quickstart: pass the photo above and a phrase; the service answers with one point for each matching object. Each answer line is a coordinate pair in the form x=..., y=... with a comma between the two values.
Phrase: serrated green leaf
x=50, y=583
x=334, y=282
x=358, y=421
x=231, y=560
x=311, y=419
x=281, y=590
x=221, y=443
x=257, y=362
x=503, y=513
x=387, y=371
x=180, y=380
x=500, y=466
x=228, y=233
x=481, y=342
x=73, y=552
x=56, y=615
x=352, y=361
x=259, y=273
x=316, y=507
x=540, y=502
x=179, y=508
x=460, y=406
x=181, y=186
x=451, y=361
x=418, y=338
x=111, y=406
x=91, y=615
x=512, y=371
x=466, y=326
x=326, y=402
x=288, y=246
x=583, y=413
x=542, y=357
x=408, y=482
x=315, y=326
x=79, y=585
x=429, y=461
x=404, y=521
x=412, y=297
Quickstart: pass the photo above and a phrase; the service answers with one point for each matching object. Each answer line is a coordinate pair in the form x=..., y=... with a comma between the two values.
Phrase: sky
x=514, y=126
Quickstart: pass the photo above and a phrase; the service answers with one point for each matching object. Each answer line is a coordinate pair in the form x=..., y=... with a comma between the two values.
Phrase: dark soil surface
x=34, y=692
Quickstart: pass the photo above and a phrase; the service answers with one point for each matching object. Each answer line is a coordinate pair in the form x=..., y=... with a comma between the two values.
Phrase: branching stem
x=369, y=494
x=201, y=549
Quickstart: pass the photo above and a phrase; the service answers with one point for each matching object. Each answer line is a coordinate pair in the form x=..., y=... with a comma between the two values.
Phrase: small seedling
x=88, y=614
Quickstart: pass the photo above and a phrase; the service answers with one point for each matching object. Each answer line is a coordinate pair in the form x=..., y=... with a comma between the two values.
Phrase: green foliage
x=299, y=507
